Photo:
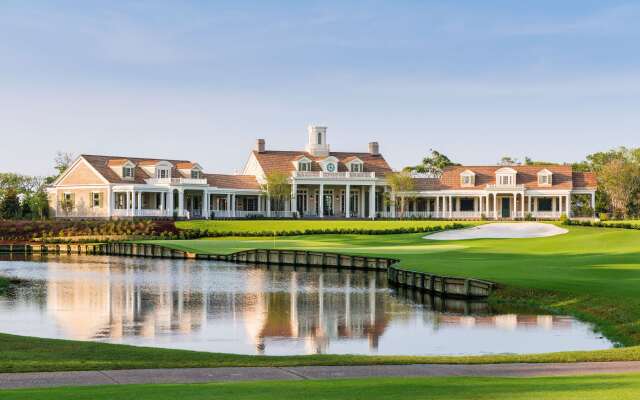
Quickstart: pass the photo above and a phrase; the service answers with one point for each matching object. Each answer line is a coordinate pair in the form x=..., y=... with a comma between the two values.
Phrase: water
x=222, y=307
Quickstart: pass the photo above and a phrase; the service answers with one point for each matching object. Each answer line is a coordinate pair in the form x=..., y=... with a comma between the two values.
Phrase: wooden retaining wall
x=440, y=285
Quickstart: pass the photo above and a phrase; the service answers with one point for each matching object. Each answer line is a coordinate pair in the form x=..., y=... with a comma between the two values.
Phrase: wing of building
x=323, y=184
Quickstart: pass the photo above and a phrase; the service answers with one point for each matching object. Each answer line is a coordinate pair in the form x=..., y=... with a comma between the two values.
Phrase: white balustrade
x=332, y=175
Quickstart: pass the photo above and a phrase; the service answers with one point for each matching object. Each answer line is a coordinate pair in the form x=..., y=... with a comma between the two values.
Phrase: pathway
x=201, y=375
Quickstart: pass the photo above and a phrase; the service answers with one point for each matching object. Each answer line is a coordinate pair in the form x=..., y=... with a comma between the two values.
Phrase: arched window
x=319, y=137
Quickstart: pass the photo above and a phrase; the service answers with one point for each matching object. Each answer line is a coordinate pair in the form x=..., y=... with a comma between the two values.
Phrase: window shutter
x=73, y=199
x=100, y=199
x=91, y=194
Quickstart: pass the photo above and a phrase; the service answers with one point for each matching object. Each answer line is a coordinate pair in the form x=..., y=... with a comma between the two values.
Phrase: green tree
x=433, y=164
x=620, y=180
x=62, y=161
x=507, y=160
x=277, y=188
x=402, y=185
x=10, y=204
x=39, y=204
x=530, y=161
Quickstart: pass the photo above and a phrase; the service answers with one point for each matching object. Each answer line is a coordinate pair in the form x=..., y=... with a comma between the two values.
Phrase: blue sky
x=553, y=80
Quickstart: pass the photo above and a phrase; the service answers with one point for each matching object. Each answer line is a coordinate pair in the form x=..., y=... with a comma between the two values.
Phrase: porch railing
x=118, y=212
x=176, y=181
x=332, y=175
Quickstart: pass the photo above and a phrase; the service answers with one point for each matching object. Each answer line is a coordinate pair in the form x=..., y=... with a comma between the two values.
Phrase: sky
x=202, y=80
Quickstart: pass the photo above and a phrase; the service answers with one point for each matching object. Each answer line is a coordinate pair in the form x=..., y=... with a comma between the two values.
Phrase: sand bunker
x=514, y=230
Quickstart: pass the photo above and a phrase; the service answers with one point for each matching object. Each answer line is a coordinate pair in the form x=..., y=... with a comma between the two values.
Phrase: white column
x=205, y=204
x=347, y=201
x=362, y=201
x=535, y=206
x=109, y=202
x=259, y=203
x=372, y=201
x=568, y=205
x=127, y=202
x=170, y=206
x=450, y=207
x=522, y=205
x=180, y=202
x=268, y=201
x=162, y=205
x=321, y=201
x=233, y=204
x=593, y=202
x=495, y=205
x=437, y=206
x=294, y=198
x=393, y=205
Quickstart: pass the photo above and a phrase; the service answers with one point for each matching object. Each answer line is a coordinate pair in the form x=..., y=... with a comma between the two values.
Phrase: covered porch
x=336, y=200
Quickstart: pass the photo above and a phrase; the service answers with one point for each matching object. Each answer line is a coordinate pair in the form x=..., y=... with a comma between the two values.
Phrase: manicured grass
x=603, y=387
x=27, y=354
x=301, y=225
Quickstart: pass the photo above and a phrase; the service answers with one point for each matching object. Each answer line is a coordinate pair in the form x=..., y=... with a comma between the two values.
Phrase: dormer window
x=356, y=167
x=467, y=178
x=127, y=172
x=330, y=164
x=545, y=178
x=196, y=174
x=506, y=177
x=304, y=166
x=163, y=173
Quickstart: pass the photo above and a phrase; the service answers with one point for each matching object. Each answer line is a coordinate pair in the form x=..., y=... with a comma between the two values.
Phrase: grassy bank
x=27, y=354
x=612, y=387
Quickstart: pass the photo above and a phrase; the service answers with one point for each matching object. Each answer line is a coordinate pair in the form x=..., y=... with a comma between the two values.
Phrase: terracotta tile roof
x=103, y=165
x=184, y=165
x=282, y=161
x=232, y=181
x=585, y=180
x=527, y=175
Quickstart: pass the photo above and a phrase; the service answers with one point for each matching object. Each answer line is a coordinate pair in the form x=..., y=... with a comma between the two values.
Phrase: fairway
x=618, y=387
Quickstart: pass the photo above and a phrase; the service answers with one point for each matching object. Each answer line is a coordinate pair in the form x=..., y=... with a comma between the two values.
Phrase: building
x=324, y=184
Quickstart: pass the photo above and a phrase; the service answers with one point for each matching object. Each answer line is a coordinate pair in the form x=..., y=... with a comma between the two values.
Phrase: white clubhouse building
x=320, y=179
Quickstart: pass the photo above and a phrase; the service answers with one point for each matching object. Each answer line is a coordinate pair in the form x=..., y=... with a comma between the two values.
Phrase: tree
x=507, y=160
x=62, y=161
x=10, y=204
x=401, y=183
x=620, y=180
x=277, y=189
x=530, y=161
x=432, y=164
x=39, y=204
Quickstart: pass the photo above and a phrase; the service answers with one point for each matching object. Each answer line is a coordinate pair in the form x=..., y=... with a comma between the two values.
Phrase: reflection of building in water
x=317, y=307
x=90, y=302
x=507, y=321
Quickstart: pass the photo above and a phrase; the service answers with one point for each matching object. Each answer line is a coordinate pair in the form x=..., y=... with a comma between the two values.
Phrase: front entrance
x=301, y=202
x=328, y=204
x=506, y=207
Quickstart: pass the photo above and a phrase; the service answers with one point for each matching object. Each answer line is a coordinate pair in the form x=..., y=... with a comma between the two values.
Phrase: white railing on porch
x=546, y=214
x=332, y=175
x=118, y=212
x=176, y=181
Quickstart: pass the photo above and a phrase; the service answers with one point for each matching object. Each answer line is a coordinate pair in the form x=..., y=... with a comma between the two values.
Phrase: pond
x=222, y=307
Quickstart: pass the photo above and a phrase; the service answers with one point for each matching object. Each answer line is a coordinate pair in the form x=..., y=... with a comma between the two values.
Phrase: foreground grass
x=29, y=354
x=301, y=225
x=604, y=387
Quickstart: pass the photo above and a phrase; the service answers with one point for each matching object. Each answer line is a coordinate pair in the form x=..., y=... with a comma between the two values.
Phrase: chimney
x=374, y=148
x=260, y=147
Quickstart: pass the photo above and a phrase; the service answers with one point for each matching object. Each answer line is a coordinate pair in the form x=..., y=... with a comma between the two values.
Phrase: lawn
x=603, y=387
x=302, y=225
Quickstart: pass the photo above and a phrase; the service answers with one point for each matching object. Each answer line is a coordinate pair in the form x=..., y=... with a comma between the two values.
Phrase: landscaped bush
x=20, y=231
x=601, y=224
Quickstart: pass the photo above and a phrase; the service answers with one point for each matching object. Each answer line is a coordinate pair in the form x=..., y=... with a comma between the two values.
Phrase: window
x=544, y=179
x=68, y=198
x=127, y=172
x=505, y=180
x=96, y=200
x=195, y=174
x=304, y=166
x=319, y=138
x=356, y=167
x=162, y=173
x=467, y=180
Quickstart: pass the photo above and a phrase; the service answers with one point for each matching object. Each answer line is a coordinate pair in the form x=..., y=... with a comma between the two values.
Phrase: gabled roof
x=103, y=164
x=281, y=161
x=545, y=172
x=506, y=170
x=467, y=172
